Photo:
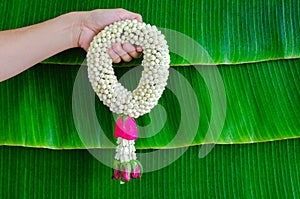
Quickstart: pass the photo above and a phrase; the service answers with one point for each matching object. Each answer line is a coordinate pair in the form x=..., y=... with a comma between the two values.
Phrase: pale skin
x=22, y=48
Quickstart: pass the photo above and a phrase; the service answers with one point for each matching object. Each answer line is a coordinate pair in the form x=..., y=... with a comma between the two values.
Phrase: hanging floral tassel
x=125, y=164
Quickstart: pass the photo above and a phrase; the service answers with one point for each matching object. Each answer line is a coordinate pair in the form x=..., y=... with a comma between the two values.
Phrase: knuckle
x=128, y=47
x=117, y=60
x=125, y=56
x=110, y=51
x=116, y=47
x=122, y=53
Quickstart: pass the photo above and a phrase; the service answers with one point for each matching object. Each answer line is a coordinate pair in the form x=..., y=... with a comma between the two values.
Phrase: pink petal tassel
x=126, y=129
x=117, y=173
x=137, y=172
x=126, y=174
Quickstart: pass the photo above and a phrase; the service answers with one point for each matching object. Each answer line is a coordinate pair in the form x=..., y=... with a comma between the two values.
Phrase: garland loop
x=154, y=76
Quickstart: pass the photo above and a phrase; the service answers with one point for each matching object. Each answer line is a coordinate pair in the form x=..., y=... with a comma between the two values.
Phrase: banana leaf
x=53, y=106
x=261, y=104
x=262, y=170
x=232, y=31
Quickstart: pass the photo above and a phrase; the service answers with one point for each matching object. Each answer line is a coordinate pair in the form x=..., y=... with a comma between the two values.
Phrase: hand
x=94, y=21
x=124, y=52
x=56, y=35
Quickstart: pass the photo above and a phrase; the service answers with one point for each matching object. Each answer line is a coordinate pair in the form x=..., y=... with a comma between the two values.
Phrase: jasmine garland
x=154, y=77
x=120, y=100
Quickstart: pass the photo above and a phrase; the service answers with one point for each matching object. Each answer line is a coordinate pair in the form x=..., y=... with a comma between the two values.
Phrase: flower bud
x=136, y=173
x=126, y=173
x=116, y=170
x=136, y=169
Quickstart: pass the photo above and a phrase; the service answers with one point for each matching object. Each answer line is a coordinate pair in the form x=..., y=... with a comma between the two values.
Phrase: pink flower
x=126, y=173
x=125, y=170
x=136, y=172
x=116, y=170
x=126, y=128
x=136, y=169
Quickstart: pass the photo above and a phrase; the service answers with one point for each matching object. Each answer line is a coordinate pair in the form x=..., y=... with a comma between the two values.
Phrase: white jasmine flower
x=156, y=64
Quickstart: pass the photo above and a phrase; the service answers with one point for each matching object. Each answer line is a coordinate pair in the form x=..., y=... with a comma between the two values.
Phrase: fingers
x=124, y=52
x=125, y=14
x=131, y=50
x=139, y=49
x=121, y=52
x=114, y=56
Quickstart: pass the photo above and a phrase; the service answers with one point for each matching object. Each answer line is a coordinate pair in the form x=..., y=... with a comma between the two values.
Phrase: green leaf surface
x=232, y=31
x=52, y=106
x=263, y=170
x=261, y=103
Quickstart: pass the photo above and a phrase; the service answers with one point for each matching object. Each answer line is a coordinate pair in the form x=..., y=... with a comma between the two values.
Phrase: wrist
x=73, y=23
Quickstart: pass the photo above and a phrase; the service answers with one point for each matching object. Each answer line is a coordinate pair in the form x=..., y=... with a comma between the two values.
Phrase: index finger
x=131, y=15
